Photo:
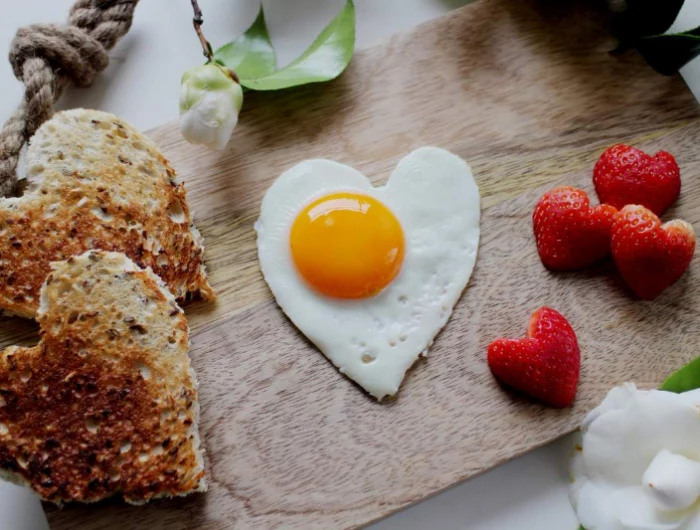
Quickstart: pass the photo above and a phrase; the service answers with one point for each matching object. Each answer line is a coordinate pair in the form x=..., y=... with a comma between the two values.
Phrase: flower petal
x=617, y=398
x=672, y=481
x=619, y=441
x=619, y=445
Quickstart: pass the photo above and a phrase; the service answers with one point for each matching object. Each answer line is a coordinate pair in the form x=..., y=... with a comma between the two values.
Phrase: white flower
x=210, y=101
x=637, y=466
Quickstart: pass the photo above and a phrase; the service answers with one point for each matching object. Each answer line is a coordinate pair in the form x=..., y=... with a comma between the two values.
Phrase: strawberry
x=624, y=175
x=545, y=364
x=570, y=234
x=649, y=255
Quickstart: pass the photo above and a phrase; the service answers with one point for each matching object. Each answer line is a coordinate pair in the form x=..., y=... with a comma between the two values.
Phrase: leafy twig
x=197, y=22
x=253, y=56
x=643, y=24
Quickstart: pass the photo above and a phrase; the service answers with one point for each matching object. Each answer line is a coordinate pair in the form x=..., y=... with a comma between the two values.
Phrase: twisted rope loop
x=49, y=57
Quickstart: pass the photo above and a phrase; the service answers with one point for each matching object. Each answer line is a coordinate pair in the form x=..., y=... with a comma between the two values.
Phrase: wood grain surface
x=527, y=92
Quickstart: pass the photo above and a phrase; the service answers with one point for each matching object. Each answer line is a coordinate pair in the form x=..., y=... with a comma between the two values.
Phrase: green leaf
x=668, y=53
x=325, y=59
x=251, y=55
x=650, y=17
x=685, y=379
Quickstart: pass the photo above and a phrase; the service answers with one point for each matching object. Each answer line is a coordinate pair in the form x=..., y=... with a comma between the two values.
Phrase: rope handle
x=49, y=57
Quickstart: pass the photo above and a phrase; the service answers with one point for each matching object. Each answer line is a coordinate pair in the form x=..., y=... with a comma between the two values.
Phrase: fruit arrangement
x=634, y=189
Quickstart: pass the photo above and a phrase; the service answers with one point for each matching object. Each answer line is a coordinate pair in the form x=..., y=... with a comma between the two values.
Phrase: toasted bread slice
x=96, y=183
x=106, y=403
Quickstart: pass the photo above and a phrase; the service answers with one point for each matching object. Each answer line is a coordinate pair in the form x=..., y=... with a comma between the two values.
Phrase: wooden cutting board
x=527, y=92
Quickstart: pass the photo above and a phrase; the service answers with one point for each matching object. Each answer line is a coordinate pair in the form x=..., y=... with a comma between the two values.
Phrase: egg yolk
x=347, y=245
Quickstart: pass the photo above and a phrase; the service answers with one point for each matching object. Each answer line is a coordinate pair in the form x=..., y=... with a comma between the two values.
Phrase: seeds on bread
x=106, y=403
x=96, y=183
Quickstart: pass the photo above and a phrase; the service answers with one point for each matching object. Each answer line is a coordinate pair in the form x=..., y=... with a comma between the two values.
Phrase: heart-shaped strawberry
x=649, y=255
x=570, y=234
x=545, y=364
x=624, y=175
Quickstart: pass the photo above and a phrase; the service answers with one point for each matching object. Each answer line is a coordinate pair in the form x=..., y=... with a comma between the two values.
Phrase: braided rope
x=49, y=57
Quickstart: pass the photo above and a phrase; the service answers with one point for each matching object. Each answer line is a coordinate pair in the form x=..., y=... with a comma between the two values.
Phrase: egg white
x=435, y=198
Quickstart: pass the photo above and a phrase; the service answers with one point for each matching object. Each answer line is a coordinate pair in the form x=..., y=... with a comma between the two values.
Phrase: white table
x=141, y=85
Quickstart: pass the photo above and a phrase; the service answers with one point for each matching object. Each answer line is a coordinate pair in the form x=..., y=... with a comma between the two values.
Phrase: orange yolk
x=347, y=245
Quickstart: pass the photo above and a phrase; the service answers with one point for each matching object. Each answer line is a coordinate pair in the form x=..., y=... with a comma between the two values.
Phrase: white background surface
x=141, y=86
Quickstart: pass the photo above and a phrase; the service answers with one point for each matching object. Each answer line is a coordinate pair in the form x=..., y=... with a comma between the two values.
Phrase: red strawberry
x=570, y=234
x=545, y=364
x=649, y=255
x=624, y=175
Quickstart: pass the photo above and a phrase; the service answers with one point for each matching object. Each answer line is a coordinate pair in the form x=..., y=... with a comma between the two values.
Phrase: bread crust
x=97, y=183
x=106, y=403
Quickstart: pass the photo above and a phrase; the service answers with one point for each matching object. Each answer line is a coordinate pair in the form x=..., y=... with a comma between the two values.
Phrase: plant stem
x=197, y=22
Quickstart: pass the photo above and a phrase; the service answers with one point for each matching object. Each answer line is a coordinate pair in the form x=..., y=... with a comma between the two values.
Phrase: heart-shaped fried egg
x=370, y=275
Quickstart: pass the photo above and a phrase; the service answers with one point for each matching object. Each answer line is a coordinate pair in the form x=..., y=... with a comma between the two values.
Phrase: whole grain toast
x=96, y=183
x=106, y=403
